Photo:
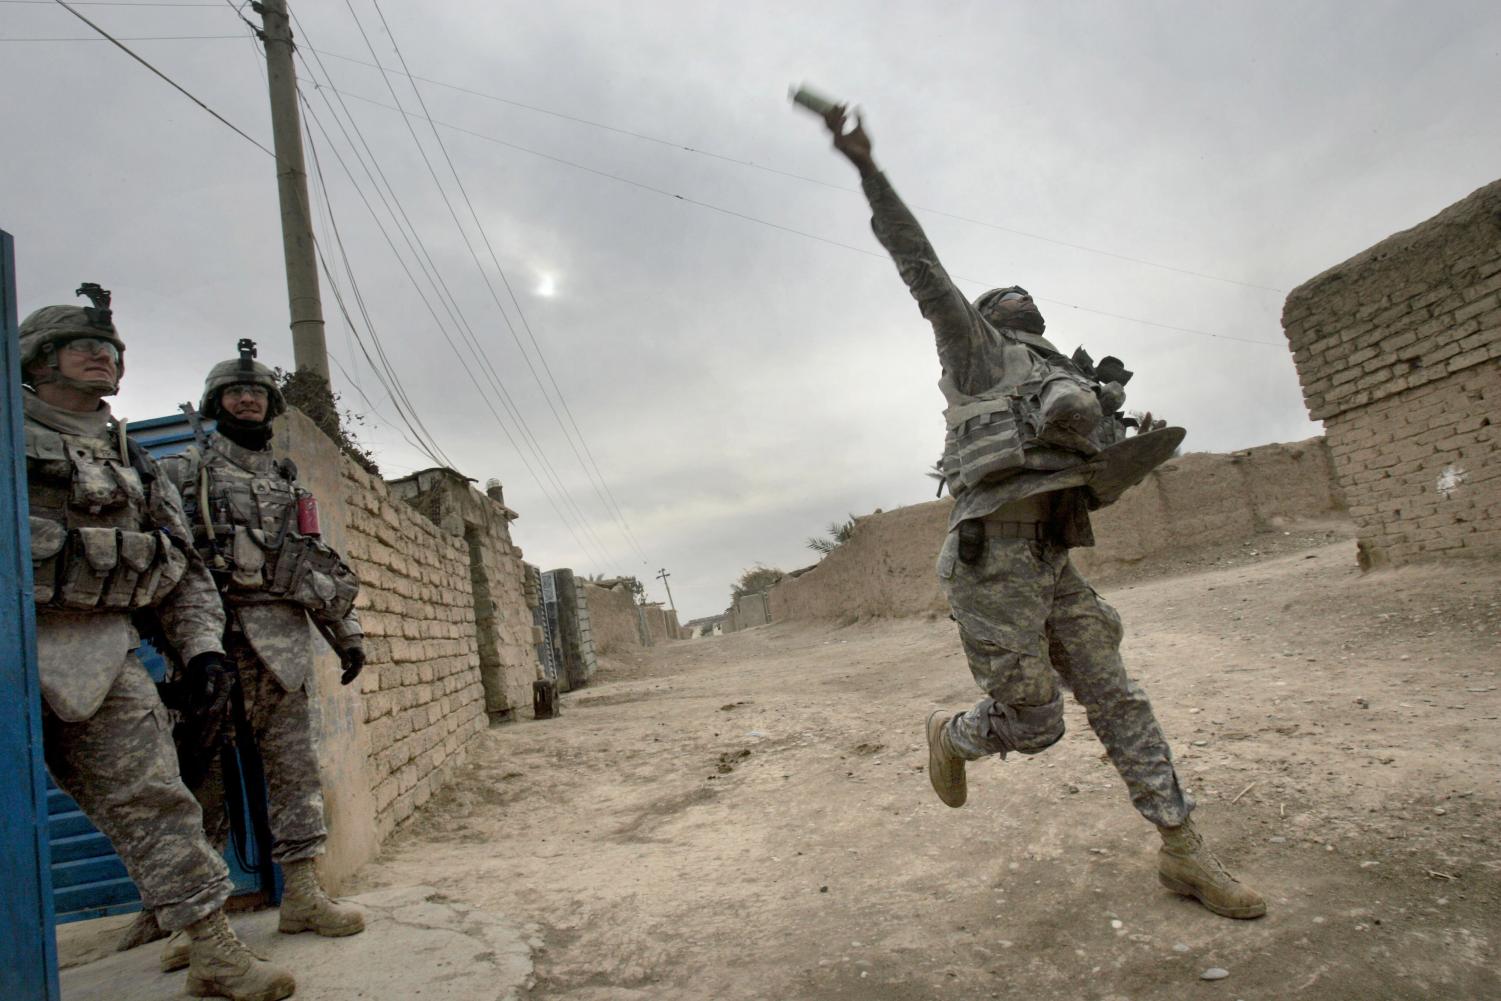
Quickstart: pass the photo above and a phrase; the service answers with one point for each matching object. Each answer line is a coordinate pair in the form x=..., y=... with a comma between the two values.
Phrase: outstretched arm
x=957, y=327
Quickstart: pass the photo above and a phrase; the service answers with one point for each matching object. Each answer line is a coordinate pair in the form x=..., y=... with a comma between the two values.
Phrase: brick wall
x=424, y=701
x=1397, y=350
x=497, y=577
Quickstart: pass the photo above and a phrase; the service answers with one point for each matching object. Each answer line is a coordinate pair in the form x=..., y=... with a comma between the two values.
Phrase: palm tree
x=838, y=536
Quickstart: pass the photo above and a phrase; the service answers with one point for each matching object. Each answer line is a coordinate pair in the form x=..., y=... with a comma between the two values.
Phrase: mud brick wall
x=497, y=577
x=612, y=612
x=424, y=701
x=887, y=568
x=1398, y=351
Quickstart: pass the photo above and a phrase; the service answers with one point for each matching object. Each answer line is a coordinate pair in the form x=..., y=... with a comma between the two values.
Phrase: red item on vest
x=307, y=515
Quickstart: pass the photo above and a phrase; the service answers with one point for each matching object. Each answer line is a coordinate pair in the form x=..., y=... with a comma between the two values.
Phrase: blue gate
x=28, y=953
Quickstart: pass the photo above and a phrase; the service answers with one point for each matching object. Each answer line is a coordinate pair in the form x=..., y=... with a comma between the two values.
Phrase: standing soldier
x=109, y=540
x=256, y=528
x=1035, y=441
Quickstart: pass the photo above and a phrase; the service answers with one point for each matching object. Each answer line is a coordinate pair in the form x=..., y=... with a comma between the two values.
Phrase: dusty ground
x=748, y=817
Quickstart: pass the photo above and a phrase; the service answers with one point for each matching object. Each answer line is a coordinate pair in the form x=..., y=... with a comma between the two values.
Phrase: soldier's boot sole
x=290, y=925
x=1227, y=899
x=211, y=989
x=945, y=769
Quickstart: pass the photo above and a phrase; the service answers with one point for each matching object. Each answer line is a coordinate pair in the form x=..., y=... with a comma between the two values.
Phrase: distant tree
x=756, y=580
x=936, y=473
x=838, y=536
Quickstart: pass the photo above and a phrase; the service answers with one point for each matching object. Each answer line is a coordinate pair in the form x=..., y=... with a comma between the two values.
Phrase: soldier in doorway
x=109, y=541
x=255, y=528
x=1035, y=441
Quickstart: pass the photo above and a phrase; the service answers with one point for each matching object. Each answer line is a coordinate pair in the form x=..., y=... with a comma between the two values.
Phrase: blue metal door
x=28, y=952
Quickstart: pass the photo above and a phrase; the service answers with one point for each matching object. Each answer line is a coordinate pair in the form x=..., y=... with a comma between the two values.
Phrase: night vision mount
x=246, y=347
x=99, y=313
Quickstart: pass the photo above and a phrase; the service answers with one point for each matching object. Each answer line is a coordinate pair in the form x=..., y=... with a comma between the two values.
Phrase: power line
x=175, y=85
x=111, y=3
x=398, y=216
x=684, y=147
x=126, y=38
x=792, y=230
x=472, y=339
x=596, y=480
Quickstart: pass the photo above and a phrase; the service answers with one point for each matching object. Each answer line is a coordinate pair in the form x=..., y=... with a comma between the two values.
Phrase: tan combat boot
x=1186, y=865
x=305, y=907
x=176, y=953
x=945, y=768
x=220, y=966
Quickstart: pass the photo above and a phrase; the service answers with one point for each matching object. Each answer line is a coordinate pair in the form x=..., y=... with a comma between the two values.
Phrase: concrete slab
x=416, y=945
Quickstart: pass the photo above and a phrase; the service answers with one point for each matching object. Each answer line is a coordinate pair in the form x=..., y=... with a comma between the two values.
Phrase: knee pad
x=1028, y=729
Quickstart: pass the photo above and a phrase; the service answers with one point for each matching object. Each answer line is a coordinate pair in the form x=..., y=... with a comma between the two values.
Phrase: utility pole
x=662, y=576
x=309, y=349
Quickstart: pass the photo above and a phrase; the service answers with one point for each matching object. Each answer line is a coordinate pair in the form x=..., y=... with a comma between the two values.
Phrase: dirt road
x=748, y=817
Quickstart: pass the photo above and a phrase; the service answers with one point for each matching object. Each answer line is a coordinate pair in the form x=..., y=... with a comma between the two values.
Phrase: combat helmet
x=241, y=370
x=46, y=328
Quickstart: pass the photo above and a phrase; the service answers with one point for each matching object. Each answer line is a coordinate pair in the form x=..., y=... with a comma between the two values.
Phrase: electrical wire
x=566, y=521
x=487, y=368
x=793, y=231
x=684, y=147
x=596, y=479
x=175, y=85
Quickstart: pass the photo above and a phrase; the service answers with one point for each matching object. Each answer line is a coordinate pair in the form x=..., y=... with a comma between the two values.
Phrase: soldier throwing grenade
x=109, y=541
x=1035, y=441
x=253, y=526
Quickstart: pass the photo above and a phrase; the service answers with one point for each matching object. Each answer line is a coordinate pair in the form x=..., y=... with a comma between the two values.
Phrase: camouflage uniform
x=1026, y=617
x=272, y=578
x=107, y=542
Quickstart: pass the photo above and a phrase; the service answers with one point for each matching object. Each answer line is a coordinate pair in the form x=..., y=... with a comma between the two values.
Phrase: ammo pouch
x=105, y=568
x=984, y=438
x=306, y=571
x=971, y=541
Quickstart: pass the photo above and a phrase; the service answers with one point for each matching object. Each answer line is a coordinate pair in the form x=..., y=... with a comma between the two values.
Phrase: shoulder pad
x=44, y=443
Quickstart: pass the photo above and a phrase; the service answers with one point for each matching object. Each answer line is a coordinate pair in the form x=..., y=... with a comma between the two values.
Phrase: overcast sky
x=696, y=265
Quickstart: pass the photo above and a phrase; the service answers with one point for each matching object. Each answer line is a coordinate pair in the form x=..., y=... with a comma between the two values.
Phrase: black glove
x=208, y=680
x=353, y=660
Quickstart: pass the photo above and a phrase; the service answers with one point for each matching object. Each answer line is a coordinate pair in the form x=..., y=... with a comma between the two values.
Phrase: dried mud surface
x=748, y=817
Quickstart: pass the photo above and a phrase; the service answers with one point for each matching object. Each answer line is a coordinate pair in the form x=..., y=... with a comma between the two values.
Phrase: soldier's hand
x=1147, y=424
x=353, y=661
x=208, y=680
x=854, y=144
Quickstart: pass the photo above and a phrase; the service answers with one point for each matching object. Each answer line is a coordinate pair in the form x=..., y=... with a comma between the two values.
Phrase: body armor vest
x=93, y=546
x=242, y=504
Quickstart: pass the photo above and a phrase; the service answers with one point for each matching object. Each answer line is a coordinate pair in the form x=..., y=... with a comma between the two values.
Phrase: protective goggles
x=251, y=389
x=92, y=346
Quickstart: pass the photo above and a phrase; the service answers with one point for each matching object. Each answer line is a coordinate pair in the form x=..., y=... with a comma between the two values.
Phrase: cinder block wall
x=1397, y=350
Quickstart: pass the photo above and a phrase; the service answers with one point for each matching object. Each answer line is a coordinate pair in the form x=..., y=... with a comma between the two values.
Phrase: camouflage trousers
x=119, y=766
x=280, y=723
x=1028, y=620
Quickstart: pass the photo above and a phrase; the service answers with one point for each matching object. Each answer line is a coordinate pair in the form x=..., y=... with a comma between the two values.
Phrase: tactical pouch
x=47, y=540
x=971, y=541
x=171, y=566
x=311, y=574
x=102, y=485
x=88, y=561
x=983, y=439
x=248, y=559
x=137, y=551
